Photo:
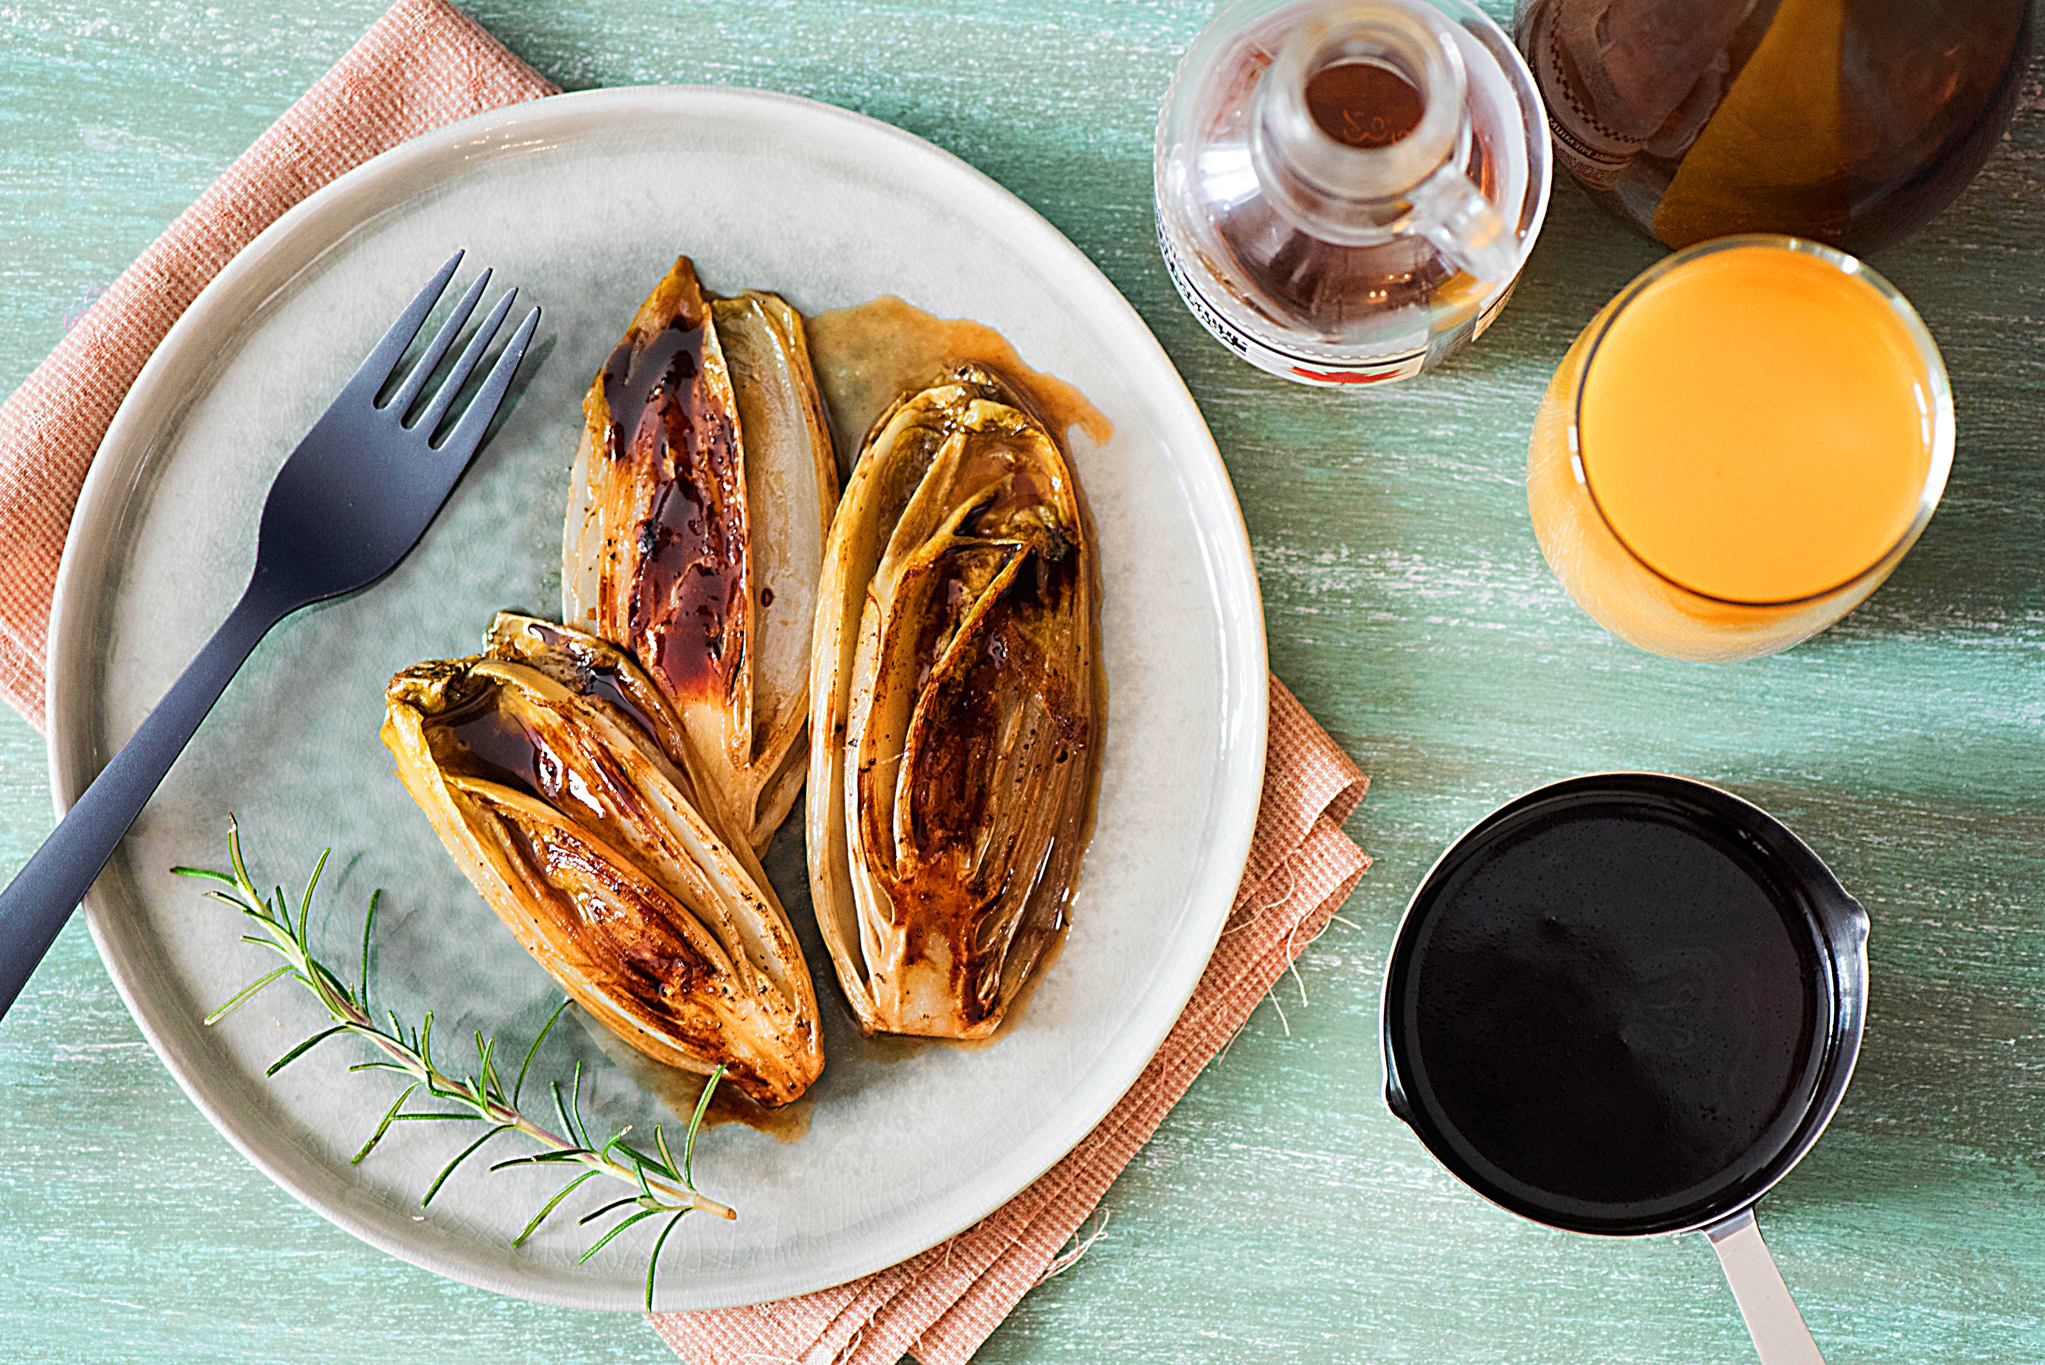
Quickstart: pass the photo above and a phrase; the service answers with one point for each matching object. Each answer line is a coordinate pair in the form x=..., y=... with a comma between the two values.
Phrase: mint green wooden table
x=1281, y=1214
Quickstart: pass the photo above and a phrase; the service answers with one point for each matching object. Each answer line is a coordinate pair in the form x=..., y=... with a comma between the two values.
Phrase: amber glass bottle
x=1848, y=121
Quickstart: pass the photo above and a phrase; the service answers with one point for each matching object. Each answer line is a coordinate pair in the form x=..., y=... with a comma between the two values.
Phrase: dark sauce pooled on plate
x=1611, y=1010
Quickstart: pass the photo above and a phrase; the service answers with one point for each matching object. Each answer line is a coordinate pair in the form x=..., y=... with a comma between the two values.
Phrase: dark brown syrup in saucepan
x=1615, y=1008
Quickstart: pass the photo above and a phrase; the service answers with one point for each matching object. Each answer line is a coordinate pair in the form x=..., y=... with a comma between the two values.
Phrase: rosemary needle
x=660, y=1185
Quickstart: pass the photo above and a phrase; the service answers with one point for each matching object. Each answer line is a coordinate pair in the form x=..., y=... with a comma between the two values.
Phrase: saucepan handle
x=1772, y=1319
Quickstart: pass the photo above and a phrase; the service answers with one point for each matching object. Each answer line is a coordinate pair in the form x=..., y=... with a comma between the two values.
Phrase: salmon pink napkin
x=423, y=65
x=426, y=64
x=942, y=1304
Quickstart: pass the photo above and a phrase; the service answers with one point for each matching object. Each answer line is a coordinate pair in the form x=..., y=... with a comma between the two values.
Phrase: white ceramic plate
x=583, y=201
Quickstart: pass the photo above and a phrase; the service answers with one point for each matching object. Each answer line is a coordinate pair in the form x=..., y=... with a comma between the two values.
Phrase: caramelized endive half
x=697, y=510
x=953, y=699
x=541, y=767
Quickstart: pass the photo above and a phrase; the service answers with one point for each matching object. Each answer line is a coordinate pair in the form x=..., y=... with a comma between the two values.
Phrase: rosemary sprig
x=662, y=1187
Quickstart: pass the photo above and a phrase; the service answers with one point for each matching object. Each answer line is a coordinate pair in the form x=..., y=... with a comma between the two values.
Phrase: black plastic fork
x=348, y=505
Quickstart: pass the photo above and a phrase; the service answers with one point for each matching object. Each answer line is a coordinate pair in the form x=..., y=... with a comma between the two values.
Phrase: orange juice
x=1739, y=448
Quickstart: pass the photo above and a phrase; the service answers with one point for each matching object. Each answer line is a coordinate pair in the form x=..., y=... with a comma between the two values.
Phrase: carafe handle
x=1453, y=214
x=1780, y=1336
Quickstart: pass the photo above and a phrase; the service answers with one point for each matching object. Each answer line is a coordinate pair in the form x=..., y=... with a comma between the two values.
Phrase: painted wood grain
x=1281, y=1214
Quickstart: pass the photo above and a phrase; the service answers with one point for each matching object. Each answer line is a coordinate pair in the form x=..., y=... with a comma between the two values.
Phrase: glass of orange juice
x=1739, y=448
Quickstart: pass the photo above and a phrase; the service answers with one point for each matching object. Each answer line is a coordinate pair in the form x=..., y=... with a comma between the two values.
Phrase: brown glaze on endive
x=977, y=700
x=598, y=671
x=482, y=742
x=635, y=942
x=621, y=922
x=872, y=355
x=558, y=803
x=699, y=498
x=866, y=357
x=685, y=614
x=957, y=750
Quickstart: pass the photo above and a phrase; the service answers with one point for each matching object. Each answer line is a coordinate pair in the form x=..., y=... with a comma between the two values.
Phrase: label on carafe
x=1394, y=363
x=1403, y=362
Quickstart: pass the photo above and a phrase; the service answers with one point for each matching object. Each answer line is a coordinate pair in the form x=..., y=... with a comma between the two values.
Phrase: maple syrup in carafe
x=1346, y=189
x=1363, y=104
x=1851, y=122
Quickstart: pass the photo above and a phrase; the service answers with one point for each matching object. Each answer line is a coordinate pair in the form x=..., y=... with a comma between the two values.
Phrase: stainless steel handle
x=1772, y=1318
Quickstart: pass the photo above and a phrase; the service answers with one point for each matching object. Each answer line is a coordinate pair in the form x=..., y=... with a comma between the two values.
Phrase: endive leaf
x=698, y=504
x=547, y=782
x=955, y=710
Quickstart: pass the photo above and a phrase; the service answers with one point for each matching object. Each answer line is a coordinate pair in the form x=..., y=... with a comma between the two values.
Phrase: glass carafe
x=1347, y=189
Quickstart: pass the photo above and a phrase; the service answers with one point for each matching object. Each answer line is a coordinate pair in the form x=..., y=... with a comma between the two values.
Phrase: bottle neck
x=1362, y=107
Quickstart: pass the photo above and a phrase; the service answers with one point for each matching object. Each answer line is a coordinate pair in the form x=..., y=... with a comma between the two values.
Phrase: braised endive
x=954, y=710
x=541, y=763
x=697, y=510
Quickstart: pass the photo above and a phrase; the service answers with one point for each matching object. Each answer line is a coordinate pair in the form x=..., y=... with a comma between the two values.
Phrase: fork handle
x=36, y=903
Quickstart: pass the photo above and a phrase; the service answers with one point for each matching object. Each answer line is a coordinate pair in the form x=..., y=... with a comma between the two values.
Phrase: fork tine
x=444, y=338
x=384, y=359
x=459, y=375
x=461, y=442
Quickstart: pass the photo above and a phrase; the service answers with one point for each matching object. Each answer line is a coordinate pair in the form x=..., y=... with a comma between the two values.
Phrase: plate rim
x=109, y=488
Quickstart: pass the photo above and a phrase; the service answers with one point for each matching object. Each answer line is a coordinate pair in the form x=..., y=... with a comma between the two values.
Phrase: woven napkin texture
x=424, y=64
x=942, y=1304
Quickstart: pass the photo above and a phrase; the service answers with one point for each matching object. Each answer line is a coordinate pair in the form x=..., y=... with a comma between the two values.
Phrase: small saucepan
x=1627, y=1004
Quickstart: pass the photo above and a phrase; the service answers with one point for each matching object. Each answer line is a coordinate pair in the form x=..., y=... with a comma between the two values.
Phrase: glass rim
x=1438, y=75
x=1937, y=469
